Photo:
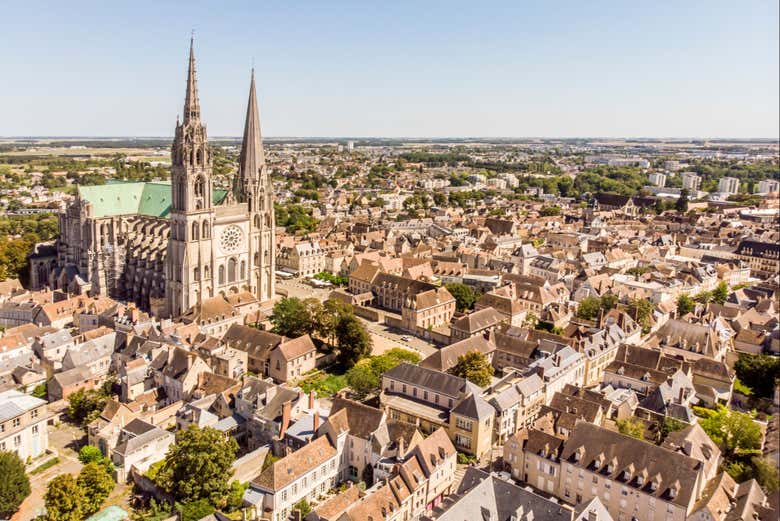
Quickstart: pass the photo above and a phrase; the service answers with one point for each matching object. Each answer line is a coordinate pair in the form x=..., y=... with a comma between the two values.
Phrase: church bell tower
x=188, y=266
x=252, y=186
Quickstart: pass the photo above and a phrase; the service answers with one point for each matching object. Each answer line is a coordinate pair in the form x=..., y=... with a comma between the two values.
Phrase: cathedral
x=168, y=245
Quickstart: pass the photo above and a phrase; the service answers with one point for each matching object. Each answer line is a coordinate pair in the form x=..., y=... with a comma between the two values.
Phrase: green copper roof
x=134, y=198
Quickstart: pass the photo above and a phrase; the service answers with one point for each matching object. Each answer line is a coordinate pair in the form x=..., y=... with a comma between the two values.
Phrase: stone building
x=168, y=245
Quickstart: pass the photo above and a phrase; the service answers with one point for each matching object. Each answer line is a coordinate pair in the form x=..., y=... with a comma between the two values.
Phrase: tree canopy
x=685, y=305
x=465, y=297
x=14, y=483
x=293, y=317
x=97, y=484
x=475, y=367
x=633, y=427
x=198, y=466
x=365, y=376
x=64, y=499
x=759, y=372
x=354, y=342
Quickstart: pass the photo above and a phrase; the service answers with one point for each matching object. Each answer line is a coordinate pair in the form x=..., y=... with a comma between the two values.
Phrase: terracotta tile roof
x=293, y=466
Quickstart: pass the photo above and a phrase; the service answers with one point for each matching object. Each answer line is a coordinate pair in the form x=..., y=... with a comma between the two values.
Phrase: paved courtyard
x=65, y=440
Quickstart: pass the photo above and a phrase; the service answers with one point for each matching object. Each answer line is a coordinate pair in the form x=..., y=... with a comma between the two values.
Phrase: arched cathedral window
x=195, y=229
x=221, y=277
x=242, y=272
x=231, y=270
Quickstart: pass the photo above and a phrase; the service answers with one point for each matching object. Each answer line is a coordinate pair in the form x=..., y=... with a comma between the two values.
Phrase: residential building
x=23, y=421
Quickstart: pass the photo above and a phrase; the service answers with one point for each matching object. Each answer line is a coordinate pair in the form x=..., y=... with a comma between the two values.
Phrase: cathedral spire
x=191, y=103
x=252, y=157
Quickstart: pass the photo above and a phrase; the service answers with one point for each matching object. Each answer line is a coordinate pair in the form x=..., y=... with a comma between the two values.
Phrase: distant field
x=65, y=152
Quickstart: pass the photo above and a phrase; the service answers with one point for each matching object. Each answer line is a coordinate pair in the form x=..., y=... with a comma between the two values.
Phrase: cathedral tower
x=188, y=261
x=252, y=187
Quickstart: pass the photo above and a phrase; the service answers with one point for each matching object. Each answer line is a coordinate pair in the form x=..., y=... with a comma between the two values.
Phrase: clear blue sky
x=518, y=68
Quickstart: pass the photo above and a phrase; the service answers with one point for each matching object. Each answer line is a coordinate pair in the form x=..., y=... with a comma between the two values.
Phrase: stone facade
x=168, y=246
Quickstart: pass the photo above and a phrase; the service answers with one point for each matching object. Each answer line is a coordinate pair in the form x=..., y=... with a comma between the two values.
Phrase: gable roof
x=291, y=467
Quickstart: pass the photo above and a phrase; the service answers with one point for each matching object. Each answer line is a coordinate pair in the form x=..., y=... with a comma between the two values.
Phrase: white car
x=405, y=338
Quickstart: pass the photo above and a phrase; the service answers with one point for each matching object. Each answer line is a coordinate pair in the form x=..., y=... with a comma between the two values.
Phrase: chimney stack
x=401, y=447
x=316, y=422
x=312, y=399
x=286, y=409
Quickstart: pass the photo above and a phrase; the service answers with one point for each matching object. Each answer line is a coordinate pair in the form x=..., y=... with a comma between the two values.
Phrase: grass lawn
x=48, y=464
x=324, y=383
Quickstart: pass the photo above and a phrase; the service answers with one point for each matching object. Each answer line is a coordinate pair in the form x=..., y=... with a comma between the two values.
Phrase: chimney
x=315, y=422
x=401, y=447
x=688, y=447
x=681, y=396
x=312, y=398
x=285, y=418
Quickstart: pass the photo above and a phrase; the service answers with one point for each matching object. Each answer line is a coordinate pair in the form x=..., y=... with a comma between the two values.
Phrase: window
x=463, y=424
x=221, y=276
x=231, y=270
x=34, y=413
x=35, y=429
x=15, y=422
x=462, y=441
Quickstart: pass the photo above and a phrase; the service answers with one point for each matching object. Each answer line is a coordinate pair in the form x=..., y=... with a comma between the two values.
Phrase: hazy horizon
x=512, y=70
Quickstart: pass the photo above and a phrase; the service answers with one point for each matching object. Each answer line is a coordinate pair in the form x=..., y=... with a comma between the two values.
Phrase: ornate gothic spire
x=252, y=157
x=191, y=102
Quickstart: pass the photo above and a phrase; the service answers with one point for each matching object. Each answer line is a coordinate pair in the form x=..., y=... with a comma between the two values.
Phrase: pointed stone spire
x=191, y=102
x=252, y=157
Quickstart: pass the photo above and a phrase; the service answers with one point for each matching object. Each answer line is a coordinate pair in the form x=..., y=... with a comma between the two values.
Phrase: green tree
x=353, y=340
x=704, y=297
x=465, y=297
x=549, y=211
x=303, y=506
x=235, y=498
x=195, y=510
x=671, y=425
x=642, y=311
x=735, y=432
x=720, y=293
x=475, y=367
x=64, y=499
x=758, y=372
x=609, y=301
x=362, y=379
x=766, y=473
x=589, y=308
x=328, y=318
x=633, y=427
x=89, y=454
x=682, y=203
x=14, y=484
x=85, y=406
x=685, y=305
x=96, y=484
x=293, y=317
x=41, y=391
x=198, y=466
